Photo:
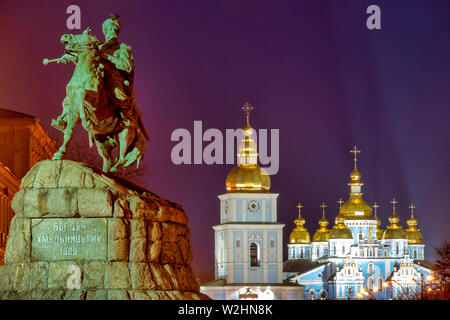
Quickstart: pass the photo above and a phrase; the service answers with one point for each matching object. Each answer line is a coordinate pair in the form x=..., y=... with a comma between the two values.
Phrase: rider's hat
x=114, y=20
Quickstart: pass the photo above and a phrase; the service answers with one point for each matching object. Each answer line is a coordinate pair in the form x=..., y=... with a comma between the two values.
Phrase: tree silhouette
x=442, y=271
x=439, y=289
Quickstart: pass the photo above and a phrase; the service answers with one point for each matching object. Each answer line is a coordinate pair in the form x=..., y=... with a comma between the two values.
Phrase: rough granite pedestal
x=120, y=242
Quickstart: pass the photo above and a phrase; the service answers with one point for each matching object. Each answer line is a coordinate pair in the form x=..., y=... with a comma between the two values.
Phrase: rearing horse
x=88, y=101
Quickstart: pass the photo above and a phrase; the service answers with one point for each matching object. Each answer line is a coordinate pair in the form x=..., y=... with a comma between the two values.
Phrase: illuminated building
x=356, y=259
x=23, y=142
x=248, y=240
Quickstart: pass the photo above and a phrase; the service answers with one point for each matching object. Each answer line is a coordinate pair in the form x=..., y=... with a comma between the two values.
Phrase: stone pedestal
x=78, y=234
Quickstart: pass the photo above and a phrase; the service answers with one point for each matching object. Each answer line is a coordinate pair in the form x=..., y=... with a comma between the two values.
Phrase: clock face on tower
x=253, y=206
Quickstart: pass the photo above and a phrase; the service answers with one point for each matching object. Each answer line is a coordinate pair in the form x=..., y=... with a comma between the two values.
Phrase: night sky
x=310, y=68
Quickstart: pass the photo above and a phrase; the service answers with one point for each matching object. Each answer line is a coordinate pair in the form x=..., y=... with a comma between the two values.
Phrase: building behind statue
x=23, y=142
x=355, y=259
x=249, y=238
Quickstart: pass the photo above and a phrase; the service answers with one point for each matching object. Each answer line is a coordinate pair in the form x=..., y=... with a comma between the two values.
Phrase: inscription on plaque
x=69, y=239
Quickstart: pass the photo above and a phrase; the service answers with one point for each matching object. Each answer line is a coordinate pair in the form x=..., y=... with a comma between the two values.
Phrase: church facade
x=356, y=259
x=249, y=238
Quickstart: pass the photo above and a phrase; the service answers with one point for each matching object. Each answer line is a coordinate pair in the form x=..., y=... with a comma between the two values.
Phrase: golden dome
x=390, y=233
x=414, y=237
x=322, y=234
x=394, y=231
x=355, y=175
x=340, y=230
x=355, y=208
x=248, y=179
x=248, y=176
x=299, y=235
x=413, y=234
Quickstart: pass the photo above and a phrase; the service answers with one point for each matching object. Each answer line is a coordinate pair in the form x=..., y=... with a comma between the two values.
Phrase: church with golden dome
x=356, y=259
x=353, y=259
x=249, y=239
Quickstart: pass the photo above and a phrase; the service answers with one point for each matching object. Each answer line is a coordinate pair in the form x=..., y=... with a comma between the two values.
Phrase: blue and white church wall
x=396, y=248
x=314, y=281
x=248, y=207
x=319, y=250
x=362, y=229
x=340, y=247
x=299, y=251
x=416, y=251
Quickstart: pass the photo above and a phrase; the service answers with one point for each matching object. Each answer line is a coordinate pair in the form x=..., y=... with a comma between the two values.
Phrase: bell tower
x=248, y=240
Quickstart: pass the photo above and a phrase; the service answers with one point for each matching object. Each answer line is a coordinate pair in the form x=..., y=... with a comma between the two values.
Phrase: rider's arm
x=67, y=58
x=122, y=58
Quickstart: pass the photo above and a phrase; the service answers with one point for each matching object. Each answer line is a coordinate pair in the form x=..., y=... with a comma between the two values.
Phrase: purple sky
x=310, y=68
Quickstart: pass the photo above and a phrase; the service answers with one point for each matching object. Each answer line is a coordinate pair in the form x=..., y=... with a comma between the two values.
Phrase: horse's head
x=80, y=43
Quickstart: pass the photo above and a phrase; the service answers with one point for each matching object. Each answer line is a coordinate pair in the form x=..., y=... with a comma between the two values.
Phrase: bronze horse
x=90, y=101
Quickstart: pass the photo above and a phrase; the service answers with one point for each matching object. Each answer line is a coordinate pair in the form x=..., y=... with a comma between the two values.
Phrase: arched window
x=312, y=294
x=318, y=252
x=380, y=283
x=334, y=250
x=370, y=283
x=254, y=255
x=343, y=249
x=415, y=254
x=360, y=236
x=370, y=268
x=396, y=249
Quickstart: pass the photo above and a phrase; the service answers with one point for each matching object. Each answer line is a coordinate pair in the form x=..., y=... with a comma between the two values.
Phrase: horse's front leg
x=104, y=149
x=72, y=124
x=125, y=137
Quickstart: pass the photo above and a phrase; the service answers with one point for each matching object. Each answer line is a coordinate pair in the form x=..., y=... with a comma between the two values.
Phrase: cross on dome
x=375, y=206
x=299, y=206
x=323, y=206
x=412, y=207
x=394, y=202
x=355, y=152
x=247, y=108
x=340, y=201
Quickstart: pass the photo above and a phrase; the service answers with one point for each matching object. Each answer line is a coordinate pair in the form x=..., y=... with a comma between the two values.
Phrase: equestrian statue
x=100, y=95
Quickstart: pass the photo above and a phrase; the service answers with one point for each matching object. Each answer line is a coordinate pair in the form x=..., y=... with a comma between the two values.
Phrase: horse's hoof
x=59, y=125
x=57, y=156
